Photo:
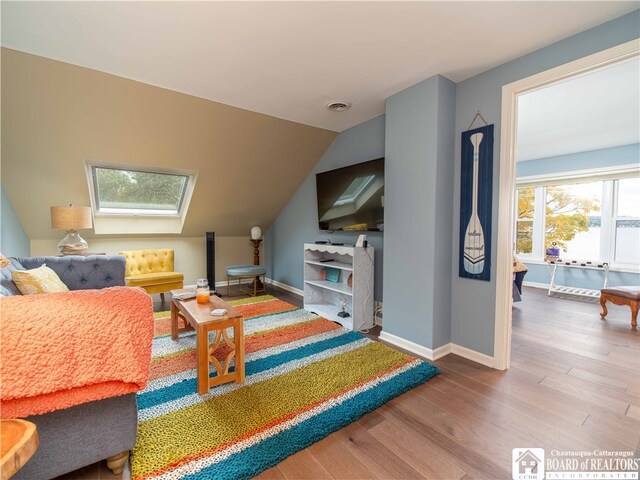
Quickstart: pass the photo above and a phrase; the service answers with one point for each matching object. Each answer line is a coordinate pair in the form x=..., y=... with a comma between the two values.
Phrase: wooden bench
x=626, y=295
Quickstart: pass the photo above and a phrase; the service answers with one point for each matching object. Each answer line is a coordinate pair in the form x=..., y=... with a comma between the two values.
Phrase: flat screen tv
x=352, y=198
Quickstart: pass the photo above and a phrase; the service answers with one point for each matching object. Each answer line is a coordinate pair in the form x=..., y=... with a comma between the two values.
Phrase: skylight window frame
x=185, y=198
x=352, y=198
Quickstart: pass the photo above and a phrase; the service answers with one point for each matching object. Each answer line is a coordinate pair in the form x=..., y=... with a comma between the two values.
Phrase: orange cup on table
x=202, y=297
x=202, y=291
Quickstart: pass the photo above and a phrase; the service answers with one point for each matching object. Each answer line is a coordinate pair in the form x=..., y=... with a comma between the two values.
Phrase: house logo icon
x=528, y=463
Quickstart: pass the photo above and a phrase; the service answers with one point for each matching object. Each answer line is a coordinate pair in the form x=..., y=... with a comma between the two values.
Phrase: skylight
x=131, y=192
x=134, y=199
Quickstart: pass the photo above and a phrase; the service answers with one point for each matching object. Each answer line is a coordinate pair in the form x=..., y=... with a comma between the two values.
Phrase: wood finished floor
x=574, y=384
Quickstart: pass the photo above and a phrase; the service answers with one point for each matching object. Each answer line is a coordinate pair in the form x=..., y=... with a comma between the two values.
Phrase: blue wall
x=13, y=239
x=418, y=212
x=297, y=223
x=606, y=157
x=469, y=317
x=473, y=302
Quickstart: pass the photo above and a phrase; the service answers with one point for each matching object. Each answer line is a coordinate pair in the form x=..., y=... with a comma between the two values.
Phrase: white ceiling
x=589, y=112
x=289, y=59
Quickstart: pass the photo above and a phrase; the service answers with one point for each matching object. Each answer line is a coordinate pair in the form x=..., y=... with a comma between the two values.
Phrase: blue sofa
x=77, y=272
x=84, y=434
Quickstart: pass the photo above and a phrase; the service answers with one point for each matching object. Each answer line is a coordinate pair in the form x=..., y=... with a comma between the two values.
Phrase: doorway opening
x=512, y=94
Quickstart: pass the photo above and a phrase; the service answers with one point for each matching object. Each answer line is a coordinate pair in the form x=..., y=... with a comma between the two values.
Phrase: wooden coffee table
x=195, y=316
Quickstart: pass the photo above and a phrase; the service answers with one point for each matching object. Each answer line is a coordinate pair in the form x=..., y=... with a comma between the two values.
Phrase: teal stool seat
x=246, y=271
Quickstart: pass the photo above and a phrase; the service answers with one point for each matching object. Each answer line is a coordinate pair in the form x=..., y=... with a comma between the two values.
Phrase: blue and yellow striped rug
x=306, y=377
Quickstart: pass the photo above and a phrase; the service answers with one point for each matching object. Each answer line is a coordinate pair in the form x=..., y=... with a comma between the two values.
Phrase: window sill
x=136, y=225
x=136, y=215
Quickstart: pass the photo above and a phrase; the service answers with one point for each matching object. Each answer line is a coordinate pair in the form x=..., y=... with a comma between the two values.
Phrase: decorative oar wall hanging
x=475, y=201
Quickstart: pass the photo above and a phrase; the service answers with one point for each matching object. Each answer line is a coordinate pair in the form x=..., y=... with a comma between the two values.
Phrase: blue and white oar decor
x=475, y=203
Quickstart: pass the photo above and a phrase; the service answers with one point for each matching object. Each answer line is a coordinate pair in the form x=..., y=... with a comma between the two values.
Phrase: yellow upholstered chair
x=152, y=270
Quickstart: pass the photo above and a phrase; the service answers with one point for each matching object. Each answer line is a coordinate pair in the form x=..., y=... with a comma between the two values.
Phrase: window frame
x=185, y=198
x=608, y=210
x=525, y=219
x=614, y=231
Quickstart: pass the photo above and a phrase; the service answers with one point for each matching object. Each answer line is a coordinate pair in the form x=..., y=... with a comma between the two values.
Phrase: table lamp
x=71, y=219
x=256, y=238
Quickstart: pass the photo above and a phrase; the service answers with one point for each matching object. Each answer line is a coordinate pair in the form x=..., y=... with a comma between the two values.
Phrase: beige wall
x=56, y=116
x=190, y=253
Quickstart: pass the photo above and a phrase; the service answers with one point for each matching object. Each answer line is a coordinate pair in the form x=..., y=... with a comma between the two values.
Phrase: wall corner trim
x=435, y=354
x=413, y=347
x=474, y=356
x=284, y=286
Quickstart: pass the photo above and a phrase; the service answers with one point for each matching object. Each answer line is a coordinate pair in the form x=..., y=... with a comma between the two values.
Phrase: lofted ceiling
x=288, y=59
x=589, y=112
x=55, y=116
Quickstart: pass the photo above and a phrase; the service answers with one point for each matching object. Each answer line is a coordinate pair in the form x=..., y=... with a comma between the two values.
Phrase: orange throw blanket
x=63, y=349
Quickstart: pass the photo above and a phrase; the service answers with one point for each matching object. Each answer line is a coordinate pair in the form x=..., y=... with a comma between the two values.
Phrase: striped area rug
x=306, y=377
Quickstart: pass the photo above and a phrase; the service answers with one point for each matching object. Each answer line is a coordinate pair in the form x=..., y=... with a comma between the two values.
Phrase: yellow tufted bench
x=152, y=270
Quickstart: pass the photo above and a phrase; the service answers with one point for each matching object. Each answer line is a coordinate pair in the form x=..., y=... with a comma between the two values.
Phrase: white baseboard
x=284, y=286
x=223, y=283
x=472, y=355
x=544, y=286
x=434, y=354
x=442, y=351
x=420, y=350
x=413, y=347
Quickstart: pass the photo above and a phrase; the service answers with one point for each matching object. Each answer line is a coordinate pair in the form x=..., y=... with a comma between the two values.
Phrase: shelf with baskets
x=337, y=276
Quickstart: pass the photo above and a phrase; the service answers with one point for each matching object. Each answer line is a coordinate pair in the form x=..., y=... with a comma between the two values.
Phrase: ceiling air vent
x=338, y=106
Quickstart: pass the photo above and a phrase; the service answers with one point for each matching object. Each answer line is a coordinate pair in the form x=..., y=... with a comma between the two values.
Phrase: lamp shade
x=256, y=233
x=71, y=218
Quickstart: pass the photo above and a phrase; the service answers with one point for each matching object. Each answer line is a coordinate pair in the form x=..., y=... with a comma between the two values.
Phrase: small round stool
x=246, y=271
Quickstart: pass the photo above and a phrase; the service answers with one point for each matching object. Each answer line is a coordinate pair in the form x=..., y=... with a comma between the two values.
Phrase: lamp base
x=256, y=258
x=72, y=244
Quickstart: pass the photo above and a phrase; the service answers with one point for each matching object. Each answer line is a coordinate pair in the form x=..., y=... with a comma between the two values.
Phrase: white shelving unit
x=325, y=298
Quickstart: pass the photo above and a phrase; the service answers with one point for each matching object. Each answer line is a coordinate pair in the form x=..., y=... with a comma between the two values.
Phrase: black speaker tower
x=211, y=261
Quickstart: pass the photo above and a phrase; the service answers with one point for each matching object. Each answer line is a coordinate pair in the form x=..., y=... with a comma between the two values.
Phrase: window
x=125, y=191
x=572, y=219
x=129, y=199
x=524, y=220
x=587, y=219
x=627, y=222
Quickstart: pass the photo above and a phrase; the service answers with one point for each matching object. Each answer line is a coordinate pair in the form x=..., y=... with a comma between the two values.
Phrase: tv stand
x=326, y=298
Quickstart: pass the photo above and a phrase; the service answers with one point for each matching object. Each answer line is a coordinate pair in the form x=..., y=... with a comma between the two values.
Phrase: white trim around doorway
x=508, y=144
